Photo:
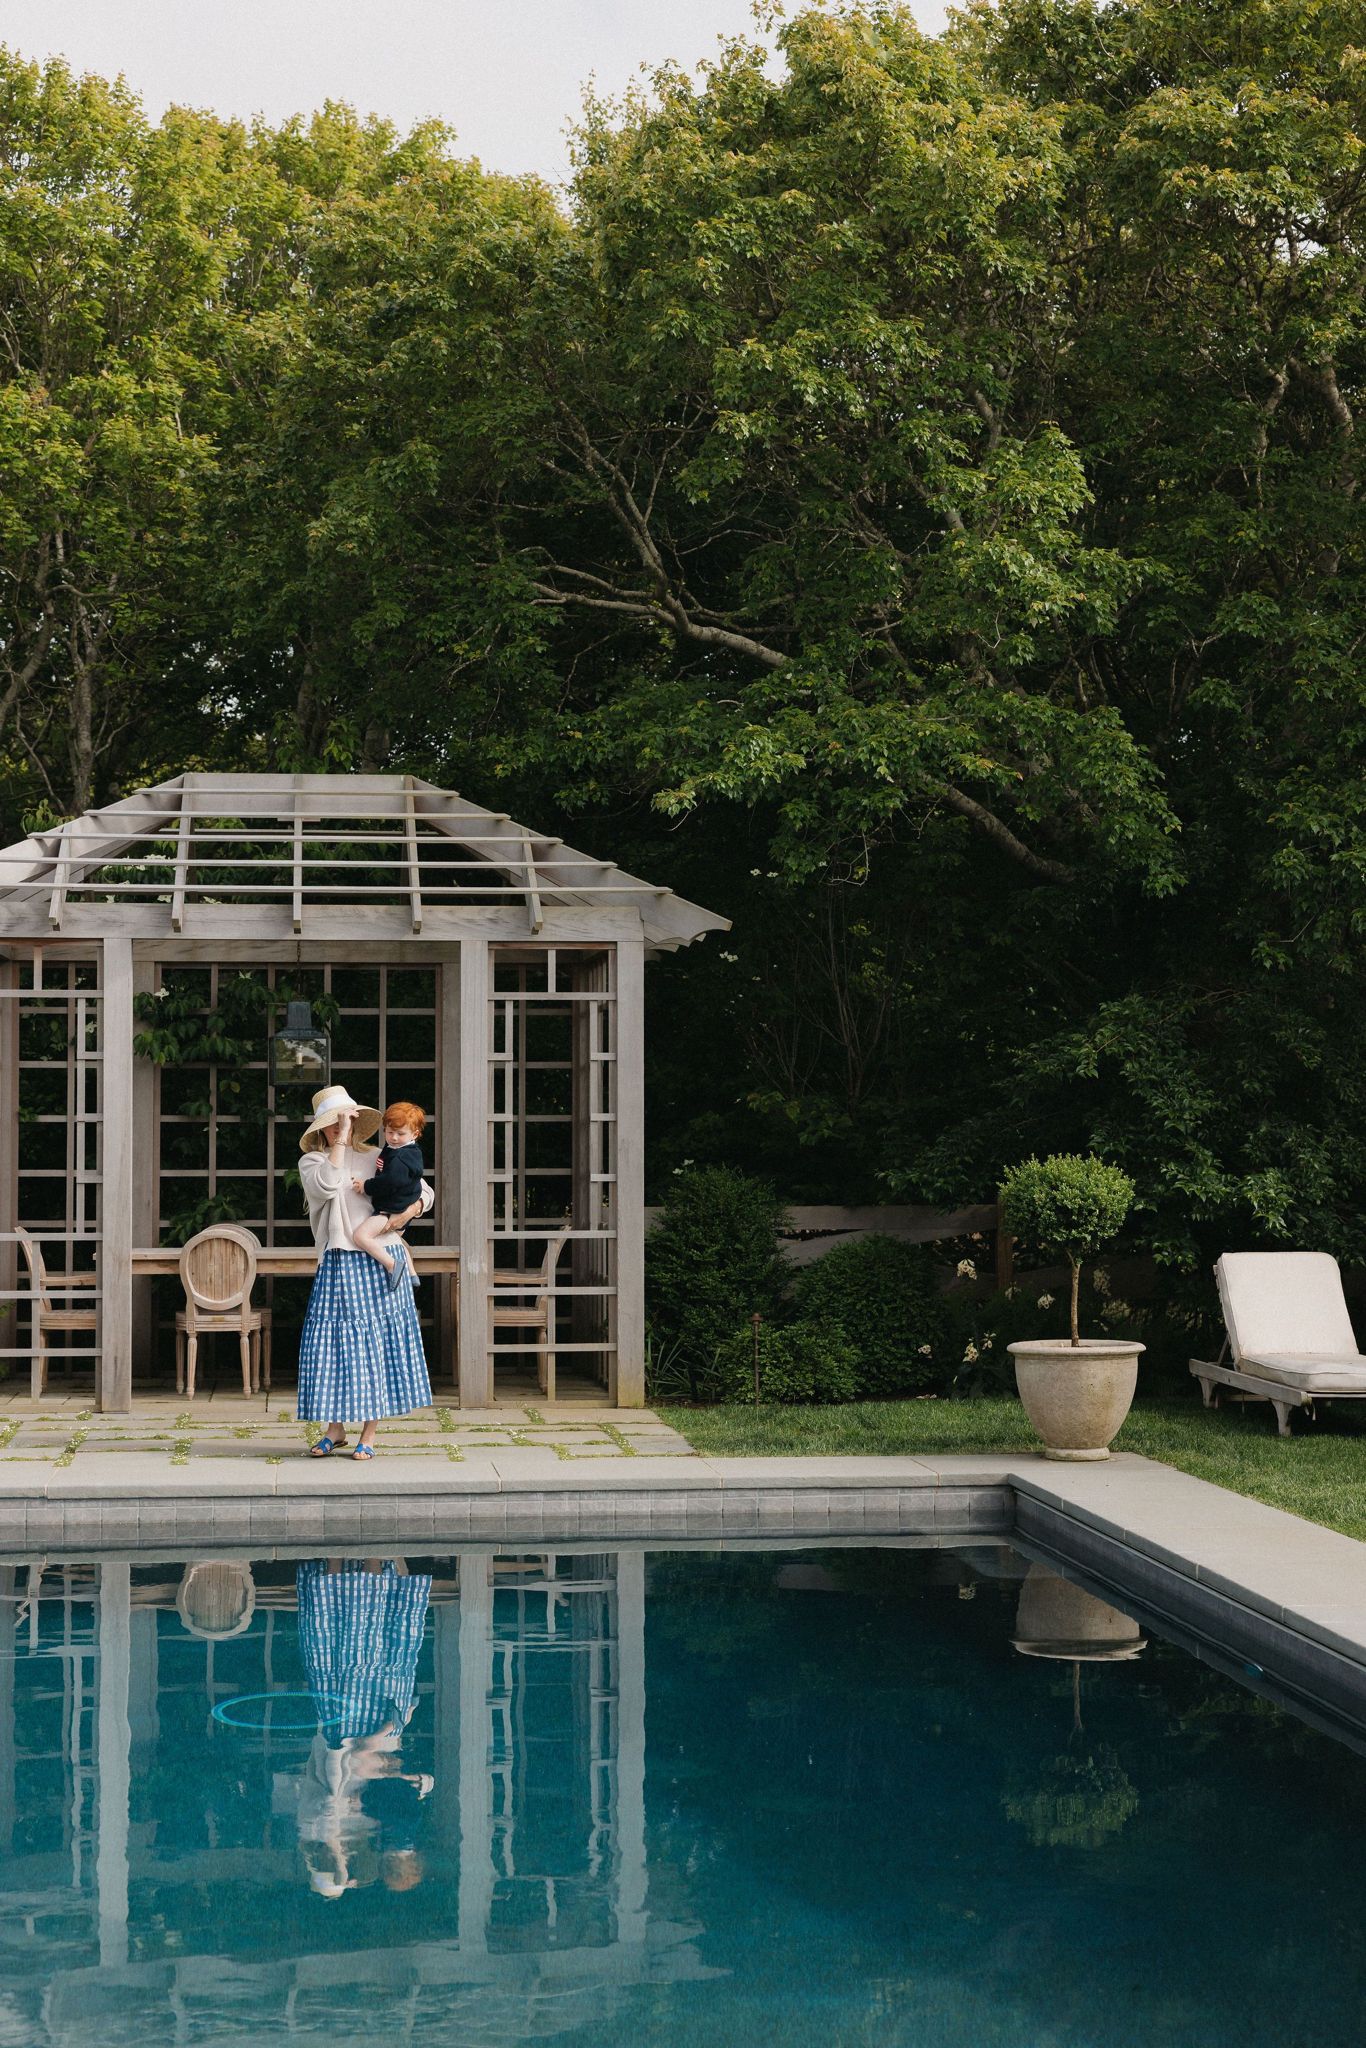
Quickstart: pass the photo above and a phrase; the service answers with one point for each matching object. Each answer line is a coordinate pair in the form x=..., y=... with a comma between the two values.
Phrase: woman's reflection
x=360, y=1631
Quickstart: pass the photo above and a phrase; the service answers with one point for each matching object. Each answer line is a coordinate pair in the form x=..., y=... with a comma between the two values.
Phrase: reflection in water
x=1083, y=1795
x=420, y=1779
x=407, y=1800
x=361, y=1624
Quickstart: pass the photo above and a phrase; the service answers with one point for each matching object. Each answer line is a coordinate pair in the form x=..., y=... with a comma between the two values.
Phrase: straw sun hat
x=328, y=1105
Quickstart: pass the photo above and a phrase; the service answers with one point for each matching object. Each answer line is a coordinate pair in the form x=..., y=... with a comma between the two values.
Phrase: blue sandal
x=363, y=1451
x=325, y=1446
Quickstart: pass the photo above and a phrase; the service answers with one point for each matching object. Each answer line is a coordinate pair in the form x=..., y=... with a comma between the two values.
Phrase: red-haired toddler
x=395, y=1185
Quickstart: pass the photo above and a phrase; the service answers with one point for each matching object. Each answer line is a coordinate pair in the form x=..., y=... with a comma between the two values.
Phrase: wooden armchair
x=535, y=1310
x=218, y=1271
x=46, y=1315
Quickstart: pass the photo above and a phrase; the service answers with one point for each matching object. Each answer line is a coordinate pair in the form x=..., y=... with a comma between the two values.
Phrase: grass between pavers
x=1319, y=1473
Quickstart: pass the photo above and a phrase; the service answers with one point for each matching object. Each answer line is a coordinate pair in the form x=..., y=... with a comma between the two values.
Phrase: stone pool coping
x=1285, y=1595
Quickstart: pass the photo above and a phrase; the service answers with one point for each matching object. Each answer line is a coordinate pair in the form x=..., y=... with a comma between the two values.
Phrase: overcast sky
x=506, y=74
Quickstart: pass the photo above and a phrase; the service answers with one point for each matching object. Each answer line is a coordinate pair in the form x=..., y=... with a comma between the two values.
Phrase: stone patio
x=169, y=1433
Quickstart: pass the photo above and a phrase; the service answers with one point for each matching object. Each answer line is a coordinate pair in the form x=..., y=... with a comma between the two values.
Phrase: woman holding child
x=360, y=1353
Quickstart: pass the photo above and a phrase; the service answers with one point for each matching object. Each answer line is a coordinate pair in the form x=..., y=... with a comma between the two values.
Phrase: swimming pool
x=841, y=1796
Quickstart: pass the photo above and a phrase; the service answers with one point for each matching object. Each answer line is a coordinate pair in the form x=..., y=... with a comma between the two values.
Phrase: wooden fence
x=813, y=1230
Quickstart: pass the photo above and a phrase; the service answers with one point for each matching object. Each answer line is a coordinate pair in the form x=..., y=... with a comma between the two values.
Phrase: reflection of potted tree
x=1058, y=1619
x=1079, y=1802
x=1084, y=1796
x=1076, y=1390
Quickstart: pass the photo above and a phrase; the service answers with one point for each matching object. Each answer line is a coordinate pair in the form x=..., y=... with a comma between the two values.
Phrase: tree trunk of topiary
x=1076, y=1288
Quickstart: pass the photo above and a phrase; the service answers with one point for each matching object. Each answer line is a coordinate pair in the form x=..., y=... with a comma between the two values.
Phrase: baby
x=394, y=1186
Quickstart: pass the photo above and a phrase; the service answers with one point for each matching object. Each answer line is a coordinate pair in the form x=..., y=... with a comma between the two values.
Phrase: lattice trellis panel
x=552, y=1158
x=51, y=1104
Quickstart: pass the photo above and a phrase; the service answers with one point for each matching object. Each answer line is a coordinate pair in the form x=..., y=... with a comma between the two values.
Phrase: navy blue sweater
x=397, y=1181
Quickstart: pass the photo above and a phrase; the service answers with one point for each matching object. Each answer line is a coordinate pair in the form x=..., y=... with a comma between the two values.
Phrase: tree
x=108, y=260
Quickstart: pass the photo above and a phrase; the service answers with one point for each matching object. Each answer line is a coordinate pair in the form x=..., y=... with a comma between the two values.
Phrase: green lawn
x=1319, y=1473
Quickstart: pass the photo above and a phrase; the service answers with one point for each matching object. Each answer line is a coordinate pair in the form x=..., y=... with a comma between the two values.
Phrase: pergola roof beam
x=414, y=864
x=205, y=843
x=182, y=866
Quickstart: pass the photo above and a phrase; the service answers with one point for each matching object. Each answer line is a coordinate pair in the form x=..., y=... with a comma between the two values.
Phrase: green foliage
x=1068, y=1205
x=808, y=1360
x=711, y=1262
x=885, y=1298
x=218, y=1043
x=912, y=501
x=1065, y=1204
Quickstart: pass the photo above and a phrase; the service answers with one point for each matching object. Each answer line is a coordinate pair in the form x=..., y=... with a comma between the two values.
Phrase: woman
x=360, y=1354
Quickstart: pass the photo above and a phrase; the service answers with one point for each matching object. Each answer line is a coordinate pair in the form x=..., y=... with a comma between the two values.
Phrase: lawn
x=1319, y=1473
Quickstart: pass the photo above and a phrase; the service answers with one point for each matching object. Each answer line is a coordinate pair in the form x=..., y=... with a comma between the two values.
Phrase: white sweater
x=334, y=1207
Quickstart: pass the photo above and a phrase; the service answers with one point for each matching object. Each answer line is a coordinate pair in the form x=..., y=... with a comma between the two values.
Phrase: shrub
x=885, y=1297
x=804, y=1361
x=710, y=1262
x=1066, y=1205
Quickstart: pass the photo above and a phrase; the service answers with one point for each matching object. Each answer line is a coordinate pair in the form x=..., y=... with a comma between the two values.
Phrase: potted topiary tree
x=1076, y=1391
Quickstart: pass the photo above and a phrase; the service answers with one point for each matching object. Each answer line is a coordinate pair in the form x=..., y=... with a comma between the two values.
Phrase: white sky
x=506, y=74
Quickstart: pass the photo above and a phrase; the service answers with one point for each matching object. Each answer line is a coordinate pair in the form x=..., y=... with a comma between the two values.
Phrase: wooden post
x=476, y=1369
x=147, y=1179
x=628, y=1377
x=117, y=1180
x=448, y=1149
x=9, y=1156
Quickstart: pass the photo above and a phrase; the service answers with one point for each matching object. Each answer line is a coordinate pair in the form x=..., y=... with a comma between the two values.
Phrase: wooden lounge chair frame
x=1241, y=1376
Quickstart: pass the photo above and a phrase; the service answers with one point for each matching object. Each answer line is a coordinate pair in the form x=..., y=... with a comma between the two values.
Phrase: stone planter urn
x=1076, y=1395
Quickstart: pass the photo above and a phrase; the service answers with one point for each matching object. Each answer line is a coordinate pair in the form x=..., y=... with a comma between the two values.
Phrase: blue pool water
x=828, y=1799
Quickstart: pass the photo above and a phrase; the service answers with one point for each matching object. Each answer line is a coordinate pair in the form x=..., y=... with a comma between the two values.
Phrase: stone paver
x=216, y=1438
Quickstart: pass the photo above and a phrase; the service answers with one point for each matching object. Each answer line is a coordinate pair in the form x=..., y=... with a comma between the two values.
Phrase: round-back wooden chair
x=46, y=1315
x=260, y=1375
x=218, y=1272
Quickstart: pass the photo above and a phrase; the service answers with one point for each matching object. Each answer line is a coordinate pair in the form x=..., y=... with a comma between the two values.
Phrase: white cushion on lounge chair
x=1310, y=1375
x=1287, y=1306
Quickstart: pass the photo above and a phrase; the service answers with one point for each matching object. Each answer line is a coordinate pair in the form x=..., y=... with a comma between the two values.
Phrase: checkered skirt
x=360, y=1352
x=361, y=1635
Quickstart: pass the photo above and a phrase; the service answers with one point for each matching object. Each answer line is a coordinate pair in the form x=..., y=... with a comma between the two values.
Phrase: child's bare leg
x=367, y=1237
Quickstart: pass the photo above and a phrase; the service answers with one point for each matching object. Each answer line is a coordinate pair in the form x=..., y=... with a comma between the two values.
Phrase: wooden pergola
x=415, y=911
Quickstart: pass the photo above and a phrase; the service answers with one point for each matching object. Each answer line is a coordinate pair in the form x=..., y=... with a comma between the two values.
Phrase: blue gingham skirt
x=360, y=1633
x=360, y=1351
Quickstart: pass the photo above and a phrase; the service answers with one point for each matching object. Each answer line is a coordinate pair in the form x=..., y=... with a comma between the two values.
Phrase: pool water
x=888, y=1796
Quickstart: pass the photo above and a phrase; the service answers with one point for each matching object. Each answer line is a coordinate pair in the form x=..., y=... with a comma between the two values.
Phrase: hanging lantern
x=301, y=1051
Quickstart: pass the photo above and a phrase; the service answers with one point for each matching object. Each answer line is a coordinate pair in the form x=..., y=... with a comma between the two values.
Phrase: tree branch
x=1001, y=835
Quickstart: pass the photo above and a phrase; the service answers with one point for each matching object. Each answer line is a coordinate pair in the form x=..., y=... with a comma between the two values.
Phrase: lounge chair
x=1290, y=1339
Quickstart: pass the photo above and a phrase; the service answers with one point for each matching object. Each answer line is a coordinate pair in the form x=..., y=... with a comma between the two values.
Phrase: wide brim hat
x=328, y=1105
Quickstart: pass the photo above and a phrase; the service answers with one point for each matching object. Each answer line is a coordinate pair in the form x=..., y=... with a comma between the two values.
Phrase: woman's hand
x=358, y=1184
